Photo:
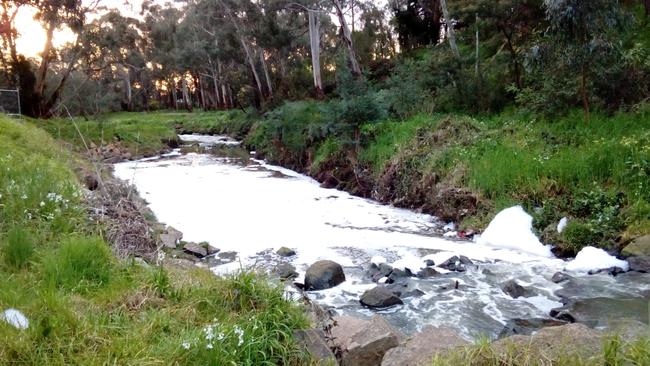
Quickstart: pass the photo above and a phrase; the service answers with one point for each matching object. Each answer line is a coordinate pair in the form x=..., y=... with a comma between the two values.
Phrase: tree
x=580, y=37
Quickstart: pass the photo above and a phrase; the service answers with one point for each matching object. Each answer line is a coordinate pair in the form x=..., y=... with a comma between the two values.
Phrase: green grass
x=613, y=352
x=144, y=133
x=85, y=307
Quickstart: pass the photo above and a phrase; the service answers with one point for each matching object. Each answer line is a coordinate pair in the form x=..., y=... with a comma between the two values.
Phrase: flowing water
x=221, y=195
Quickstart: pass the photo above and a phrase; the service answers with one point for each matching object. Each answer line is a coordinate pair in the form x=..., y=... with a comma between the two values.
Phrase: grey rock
x=639, y=247
x=344, y=328
x=323, y=275
x=285, y=271
x=429, y=262
x=313, y=341
x=515, y=290
x=380, y=297
x=369, y=344
x=599, y=311
x=639, y=264
x=420, y=349
x=560, y=277
x=286, y=252
x=456, y=263
x=552, y=344
x=195, y=249
x=171, y=237
x=527, y=326
x=427, y=272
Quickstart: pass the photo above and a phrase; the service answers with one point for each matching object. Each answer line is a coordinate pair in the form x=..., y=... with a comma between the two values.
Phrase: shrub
x=18, y=248
x=79, y=264
x=577, y=235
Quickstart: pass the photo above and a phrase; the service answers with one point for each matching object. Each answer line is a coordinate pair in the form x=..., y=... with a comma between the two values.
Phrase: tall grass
x=18, y=248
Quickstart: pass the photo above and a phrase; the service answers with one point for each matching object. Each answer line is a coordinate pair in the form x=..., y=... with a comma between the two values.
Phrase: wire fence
x=10, y=102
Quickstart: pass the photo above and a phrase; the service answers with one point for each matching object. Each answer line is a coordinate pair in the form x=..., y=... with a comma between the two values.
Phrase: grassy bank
x=466, y=169
x=87, y=307
x=143, y=134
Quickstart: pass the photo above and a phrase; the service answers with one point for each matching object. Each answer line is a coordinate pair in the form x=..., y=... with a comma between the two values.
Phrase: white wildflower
x=240, y=334
x=186, y=345
x=24, y=196
x=42, y=204
x=209, y=346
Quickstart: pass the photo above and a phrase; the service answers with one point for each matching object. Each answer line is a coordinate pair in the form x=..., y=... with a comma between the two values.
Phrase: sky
x=31, y=39
x=31, y=36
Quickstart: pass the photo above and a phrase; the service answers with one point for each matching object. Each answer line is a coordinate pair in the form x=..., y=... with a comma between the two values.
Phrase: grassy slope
x=596, y=172
x=86, y=307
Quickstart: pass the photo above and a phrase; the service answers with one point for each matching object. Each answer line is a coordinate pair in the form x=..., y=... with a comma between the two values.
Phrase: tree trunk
x=266, y=73
x=584, y=92
x=187, y=100
x=449, y=26
x=129, y=90
x=39, y=88
x=347, y=39
x=314, y=41
x=647, y=7
x=217, y=96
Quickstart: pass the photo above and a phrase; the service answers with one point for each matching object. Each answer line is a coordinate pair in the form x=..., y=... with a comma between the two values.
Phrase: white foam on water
x=512, y=228
x=590, y=258
x=208, y=140
x=248, y=208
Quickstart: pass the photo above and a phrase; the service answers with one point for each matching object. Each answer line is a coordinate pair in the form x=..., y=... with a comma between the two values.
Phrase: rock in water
x=195, y=249
x=286, y=252
x=420, y=349
x=380, y=297
x=512, y=288
x=15, y=318
x=323, y=275
x=639, y=264
x=639, y=247
x=427, y=272
x=370, y=342
x=527, y=326
x=285, y=271
x=560, y=277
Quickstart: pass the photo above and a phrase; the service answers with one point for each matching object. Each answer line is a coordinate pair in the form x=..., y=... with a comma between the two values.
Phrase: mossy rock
x=639, y=247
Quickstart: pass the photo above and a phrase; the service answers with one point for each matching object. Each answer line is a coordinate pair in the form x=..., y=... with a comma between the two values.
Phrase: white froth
x=590, y=258
x=512, y=228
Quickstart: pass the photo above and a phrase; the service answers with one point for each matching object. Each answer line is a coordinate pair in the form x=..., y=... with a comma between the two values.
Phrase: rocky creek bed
x=414, y=271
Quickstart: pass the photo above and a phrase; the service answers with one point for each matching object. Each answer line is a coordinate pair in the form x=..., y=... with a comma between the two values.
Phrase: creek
x=215, y=191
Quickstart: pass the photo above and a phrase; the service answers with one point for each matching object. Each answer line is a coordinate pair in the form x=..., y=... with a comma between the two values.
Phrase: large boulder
x=195, y=249
x=380, y=297
x=313, y=341
x=286, y=252
x=639, y=264
x=420, y=349
x=171, y=237
x=344, y=328
x=552, y=344
x=639, y=247
x=599, y=311
x=323, y=275
x=370, y=342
